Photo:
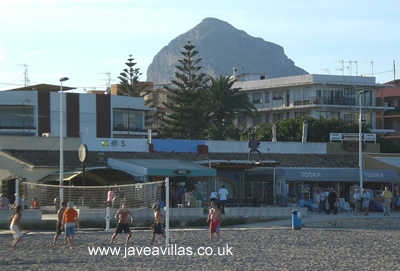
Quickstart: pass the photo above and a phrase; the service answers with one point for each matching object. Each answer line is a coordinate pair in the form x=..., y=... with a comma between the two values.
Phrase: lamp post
x=360, y=159
x=62, y=79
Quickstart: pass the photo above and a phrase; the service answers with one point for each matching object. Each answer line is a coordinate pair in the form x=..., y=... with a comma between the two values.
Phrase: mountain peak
x=222, y=47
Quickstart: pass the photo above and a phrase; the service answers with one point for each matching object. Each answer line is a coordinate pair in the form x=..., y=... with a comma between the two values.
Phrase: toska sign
x=182, y=171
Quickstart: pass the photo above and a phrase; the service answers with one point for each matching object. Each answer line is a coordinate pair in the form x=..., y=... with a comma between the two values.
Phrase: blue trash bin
x=296, y=220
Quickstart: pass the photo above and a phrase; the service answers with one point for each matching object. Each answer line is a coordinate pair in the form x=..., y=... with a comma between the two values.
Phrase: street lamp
x=360, y=161
x=62, y=79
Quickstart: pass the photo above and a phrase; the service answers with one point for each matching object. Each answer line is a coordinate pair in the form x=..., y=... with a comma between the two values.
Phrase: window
x=327, y=114
x=388, y=124
x=266, y=97
x=349, y=117
x=278, y=116
x=242, y=121
x=18, y=117
x=257, y=120
x=257, y=98
x=277, y=95
x=297, y=114
x=125, y=120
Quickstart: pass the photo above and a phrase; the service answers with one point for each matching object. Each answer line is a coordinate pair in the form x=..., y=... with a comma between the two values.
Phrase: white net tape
x=142, y=195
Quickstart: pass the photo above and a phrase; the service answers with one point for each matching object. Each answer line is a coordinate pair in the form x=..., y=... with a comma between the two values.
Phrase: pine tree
x=185, y=116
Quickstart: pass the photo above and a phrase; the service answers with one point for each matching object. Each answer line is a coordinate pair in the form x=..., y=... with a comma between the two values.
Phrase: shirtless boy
x=159, y=226
x=122, y=216
x=213, y=217
x=60, y=214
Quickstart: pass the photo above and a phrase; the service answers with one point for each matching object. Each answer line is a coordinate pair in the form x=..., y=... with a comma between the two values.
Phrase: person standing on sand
x=15, y=226
x=387, y=199
x=60, y=214
x=366, y=198
x=69, y=221
x=159, y=226
x=332, y=198
x=222, y=193
x=122, y=216
x=213, y=217
x=357, y=202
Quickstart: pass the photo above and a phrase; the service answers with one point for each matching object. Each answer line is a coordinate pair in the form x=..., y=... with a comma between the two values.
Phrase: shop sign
x=310, y=174
x=374, y=175
x=182, y=171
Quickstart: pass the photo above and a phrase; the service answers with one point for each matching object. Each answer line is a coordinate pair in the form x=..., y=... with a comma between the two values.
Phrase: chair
x=228, y=202
x=347, y=207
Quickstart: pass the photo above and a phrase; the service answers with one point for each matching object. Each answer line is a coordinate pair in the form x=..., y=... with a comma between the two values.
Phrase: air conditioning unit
x=46, y=134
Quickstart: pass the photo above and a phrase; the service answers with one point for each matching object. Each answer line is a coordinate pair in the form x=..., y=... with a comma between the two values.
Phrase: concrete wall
x=336, y=148
x=38, y=143
x=27, y=215
x=147, y=213
x=266, y=147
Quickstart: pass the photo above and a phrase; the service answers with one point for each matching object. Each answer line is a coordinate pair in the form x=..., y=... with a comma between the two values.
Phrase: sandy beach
x=274, y=248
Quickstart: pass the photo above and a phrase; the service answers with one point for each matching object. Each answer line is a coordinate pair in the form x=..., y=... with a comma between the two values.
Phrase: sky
x=89, y=41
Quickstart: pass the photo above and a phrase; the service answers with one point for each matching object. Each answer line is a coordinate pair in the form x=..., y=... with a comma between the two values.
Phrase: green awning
x=161, y=167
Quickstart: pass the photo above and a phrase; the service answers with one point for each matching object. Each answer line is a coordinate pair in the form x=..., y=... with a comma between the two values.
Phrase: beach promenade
x=321, y=244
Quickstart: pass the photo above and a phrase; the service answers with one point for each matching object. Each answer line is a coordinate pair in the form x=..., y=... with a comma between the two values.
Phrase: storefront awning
x=338, y=174
x=161, y=167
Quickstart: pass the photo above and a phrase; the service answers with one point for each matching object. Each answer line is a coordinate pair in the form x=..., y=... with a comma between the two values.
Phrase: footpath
x=342, y=219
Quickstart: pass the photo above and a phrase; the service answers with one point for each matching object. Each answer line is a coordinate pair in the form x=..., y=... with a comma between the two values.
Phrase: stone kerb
x=140, y=213
x=281, y=212
x=356, y=223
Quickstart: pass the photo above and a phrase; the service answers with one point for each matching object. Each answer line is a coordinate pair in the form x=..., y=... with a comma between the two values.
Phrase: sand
x=244, y=249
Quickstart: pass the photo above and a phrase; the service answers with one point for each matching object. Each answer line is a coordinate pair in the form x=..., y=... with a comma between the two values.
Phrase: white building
x=315, y=95
x=36, y=112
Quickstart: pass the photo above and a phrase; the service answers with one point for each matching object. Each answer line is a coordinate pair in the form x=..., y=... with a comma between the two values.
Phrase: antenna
x=108, y=78
x=327, y=70
x=342, y=69
x=26, y=74
x=372, y=64
x=355, y=61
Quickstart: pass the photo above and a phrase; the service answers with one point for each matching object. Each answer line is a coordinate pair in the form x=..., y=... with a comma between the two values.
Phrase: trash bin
x=296, y=220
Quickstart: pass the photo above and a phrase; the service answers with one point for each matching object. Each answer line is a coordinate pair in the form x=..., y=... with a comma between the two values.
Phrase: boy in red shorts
x=213, y=216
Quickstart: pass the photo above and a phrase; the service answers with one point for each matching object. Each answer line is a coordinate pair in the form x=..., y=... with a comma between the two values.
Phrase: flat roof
x=42, y=87
x=309, y=79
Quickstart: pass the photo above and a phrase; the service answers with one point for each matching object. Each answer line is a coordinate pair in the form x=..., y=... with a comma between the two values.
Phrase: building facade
x=328, y=96
x=37, y=113
x=389, y=119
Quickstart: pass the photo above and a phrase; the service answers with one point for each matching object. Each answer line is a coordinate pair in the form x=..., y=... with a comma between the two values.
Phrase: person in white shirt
x=223, y=193
x=357, y=201
x=365, y=195
x=214, y=196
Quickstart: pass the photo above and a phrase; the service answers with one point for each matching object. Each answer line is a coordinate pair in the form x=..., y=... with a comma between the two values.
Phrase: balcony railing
x=395, y=111
x=17, y=124
x=324, y=100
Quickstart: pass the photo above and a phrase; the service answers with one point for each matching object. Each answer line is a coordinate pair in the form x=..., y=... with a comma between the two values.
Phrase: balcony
x=393, y=112
x=324, y=101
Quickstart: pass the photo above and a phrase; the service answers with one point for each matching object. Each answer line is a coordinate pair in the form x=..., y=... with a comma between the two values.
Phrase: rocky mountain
x=223, y=47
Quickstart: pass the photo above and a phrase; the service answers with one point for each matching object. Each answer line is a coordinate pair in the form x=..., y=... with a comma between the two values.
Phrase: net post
x=107, y=218
x=167, y=211
x=17, y=192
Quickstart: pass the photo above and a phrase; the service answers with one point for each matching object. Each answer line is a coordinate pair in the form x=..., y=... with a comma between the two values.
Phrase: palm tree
x=223, y=102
